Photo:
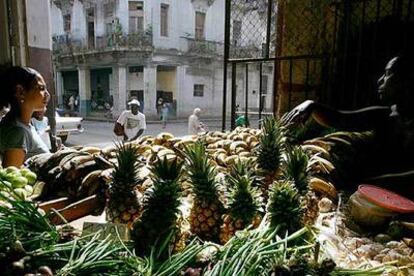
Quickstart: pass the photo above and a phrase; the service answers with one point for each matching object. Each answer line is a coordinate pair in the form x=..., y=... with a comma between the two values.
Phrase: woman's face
x=389, y=84
x=38, y=96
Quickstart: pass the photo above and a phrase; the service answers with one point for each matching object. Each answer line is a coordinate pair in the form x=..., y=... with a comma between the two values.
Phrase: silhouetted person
x=392, y=163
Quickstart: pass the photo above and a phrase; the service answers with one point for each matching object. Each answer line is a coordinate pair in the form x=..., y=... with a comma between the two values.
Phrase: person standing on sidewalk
x=132, y=121
x=71, y=103
x=164, y=114
x=159, y=105
x=194, y=124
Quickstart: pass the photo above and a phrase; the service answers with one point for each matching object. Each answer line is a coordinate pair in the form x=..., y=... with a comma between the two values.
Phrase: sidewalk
x=149, y=121
x=216, y=121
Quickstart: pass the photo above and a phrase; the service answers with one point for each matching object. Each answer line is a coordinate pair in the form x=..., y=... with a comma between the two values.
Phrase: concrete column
x=59, y=88
x=119, y=84
x=84, y=78
x=150, y=90
x=180, y=94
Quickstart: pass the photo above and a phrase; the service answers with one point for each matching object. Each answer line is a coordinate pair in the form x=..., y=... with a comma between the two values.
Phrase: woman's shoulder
x=11, y=128
x=13, y=135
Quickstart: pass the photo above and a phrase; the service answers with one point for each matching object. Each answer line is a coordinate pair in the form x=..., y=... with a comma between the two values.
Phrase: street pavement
x=100, y=134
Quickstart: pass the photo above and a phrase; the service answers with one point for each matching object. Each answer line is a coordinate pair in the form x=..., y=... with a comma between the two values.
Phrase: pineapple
x=296, y=168
x=311, y=208
x=270, y=150
x=243, y=204
x=206, y=212
x=284, y=207
x=161, y=205
x=123, y=204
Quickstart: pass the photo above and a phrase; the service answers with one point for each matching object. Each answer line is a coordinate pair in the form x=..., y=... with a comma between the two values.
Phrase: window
x=136, y=16
x=164, y=19
x=66, y=23
x=198, y=90
x=91, y=27
x=108, y=17
x=264, y=84
x=136, y=24
x=91, y=34
x=136, y=69
x=237, y=25
x=200, y=19
x=109, y=9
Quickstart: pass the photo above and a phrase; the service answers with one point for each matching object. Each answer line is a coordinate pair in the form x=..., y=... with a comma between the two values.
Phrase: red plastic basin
x=386, y=199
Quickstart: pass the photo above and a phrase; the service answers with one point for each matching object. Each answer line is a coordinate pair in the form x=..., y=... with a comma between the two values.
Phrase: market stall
x=246, y=202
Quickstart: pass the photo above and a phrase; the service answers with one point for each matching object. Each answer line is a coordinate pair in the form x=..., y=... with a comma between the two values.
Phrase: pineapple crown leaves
x=166, y=170
x=244, y=199
x=284, y=207
x=240, y=168
x=201, y=172
x=296, y=168
x=271, y=144
x=246, y=168
x=125, y=173
x=162, y=200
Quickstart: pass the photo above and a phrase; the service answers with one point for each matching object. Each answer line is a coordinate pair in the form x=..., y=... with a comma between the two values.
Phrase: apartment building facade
x=107, y=51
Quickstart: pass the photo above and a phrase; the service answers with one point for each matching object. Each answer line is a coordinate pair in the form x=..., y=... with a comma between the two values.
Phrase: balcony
x=206, y=48
x=66, y=45
x=246, y=51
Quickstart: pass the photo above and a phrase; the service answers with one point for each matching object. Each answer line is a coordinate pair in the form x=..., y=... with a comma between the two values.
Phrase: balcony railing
x=246, y=51
x=204, y=47
x=65, y=44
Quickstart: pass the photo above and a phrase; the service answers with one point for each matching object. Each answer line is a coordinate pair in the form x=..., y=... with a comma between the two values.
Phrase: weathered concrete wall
x=39, y=39
x=57, y=20
x=78, y=22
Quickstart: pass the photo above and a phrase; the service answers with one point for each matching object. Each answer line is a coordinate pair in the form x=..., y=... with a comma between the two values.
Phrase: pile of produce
x=223, y=203
x=19, y=183
x=37, y=247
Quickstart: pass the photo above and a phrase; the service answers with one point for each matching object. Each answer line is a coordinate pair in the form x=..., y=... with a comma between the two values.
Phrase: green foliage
x=202, y=173
x=270, y=145
x=284, y=207
x=296, y=168
x=22, y=222
x=161, y=205
x=125, y=174
x=244, y=199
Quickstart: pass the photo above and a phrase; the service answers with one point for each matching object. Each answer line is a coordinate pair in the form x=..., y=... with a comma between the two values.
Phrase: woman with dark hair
x=23, y=92
x=392, y=163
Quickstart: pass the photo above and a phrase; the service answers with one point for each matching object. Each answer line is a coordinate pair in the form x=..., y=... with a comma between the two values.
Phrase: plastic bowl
x=374, y=206
x=367, y=213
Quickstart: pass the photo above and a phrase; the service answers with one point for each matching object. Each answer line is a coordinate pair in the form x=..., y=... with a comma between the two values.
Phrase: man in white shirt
x=194, y=124
x=41, y=124
x=71, y=103
x=132, y=121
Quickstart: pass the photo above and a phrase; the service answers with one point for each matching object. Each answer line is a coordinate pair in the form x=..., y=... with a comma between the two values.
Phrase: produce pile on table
x=237, y=203
x=19, y=183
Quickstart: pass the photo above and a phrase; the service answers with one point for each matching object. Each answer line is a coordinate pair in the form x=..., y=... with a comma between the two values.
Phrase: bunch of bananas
x=76, y=173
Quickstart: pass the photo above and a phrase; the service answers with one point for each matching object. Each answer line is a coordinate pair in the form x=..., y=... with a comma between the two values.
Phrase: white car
x=68, y=125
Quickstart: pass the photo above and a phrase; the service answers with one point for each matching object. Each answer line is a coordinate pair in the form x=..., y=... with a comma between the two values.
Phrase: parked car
x=68, y=125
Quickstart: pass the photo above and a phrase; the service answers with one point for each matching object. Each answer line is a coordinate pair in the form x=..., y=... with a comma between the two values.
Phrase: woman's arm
x=362, y=119
x=13, y=157
x=401, y=182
